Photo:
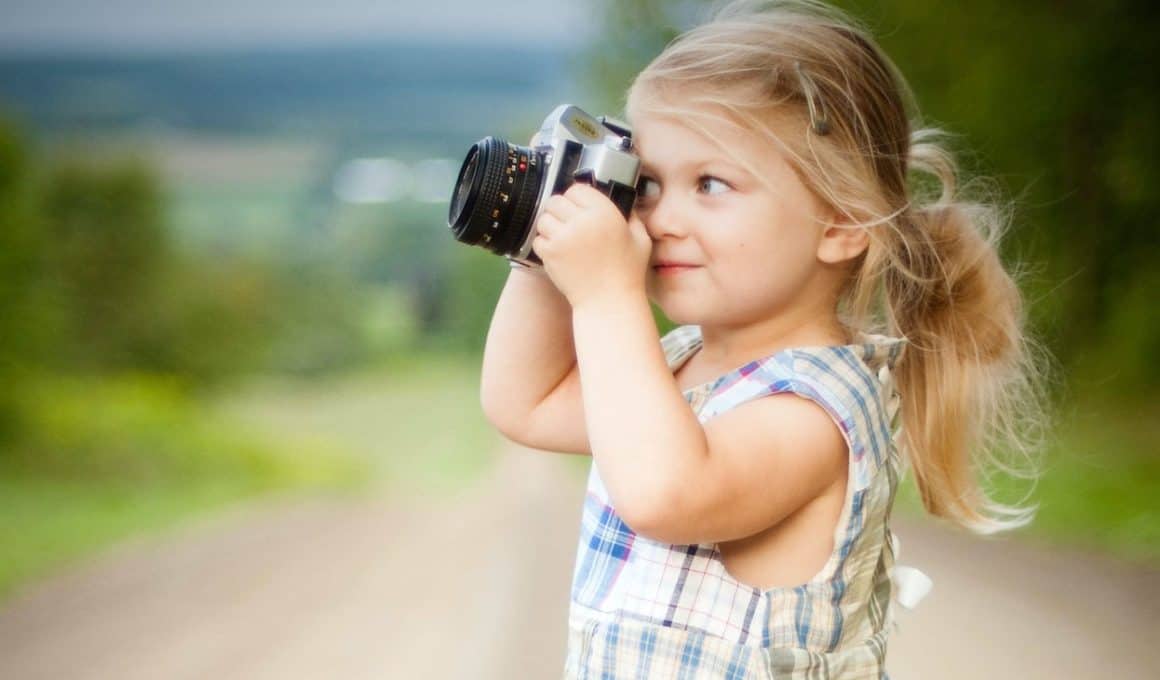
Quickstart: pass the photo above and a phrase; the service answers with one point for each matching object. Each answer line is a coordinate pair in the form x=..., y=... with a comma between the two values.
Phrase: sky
x=145, y=25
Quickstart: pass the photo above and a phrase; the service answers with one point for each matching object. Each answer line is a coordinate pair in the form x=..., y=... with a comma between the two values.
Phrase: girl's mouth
x=672, y=268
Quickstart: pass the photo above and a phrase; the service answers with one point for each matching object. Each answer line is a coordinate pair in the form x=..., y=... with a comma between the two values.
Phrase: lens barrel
x=495, y=196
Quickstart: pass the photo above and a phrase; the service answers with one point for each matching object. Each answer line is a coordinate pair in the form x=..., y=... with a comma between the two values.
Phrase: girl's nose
x=665, y=218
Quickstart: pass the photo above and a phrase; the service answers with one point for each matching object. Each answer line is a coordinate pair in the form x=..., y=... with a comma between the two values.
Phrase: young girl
x=737, y=517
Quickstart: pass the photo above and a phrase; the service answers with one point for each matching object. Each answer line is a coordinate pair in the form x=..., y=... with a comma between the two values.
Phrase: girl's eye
x=647, y=188
x=712, y=185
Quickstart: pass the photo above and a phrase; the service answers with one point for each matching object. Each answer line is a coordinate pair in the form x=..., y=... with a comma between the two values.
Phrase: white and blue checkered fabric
x=645, y=609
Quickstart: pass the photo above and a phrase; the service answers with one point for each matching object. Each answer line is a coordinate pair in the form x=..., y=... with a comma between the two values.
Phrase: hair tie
x=819, y=123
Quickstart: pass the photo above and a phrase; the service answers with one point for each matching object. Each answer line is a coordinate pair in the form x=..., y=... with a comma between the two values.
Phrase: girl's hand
x=589, y=250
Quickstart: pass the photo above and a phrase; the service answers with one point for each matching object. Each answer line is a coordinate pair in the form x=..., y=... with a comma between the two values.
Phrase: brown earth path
x=477, y=588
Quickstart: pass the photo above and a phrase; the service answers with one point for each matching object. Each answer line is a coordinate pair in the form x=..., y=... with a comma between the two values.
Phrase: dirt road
x=478, y=588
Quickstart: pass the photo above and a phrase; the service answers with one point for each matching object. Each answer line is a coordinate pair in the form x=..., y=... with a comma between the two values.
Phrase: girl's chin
x=681, y=305
x=678, y=314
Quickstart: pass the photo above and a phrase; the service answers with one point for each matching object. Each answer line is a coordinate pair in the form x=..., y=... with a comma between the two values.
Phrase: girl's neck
x=729, y=346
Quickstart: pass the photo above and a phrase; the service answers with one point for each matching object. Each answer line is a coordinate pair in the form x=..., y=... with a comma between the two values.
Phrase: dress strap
x=679, y=344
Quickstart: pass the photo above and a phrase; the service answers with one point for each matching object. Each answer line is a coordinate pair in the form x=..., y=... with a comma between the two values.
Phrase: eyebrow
x=647, y=168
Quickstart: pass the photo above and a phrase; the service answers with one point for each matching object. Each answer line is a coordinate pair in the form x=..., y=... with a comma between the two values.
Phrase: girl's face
x=728, y=248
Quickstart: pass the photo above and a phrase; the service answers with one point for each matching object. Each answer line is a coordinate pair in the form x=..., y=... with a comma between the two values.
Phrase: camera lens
x=495, y=196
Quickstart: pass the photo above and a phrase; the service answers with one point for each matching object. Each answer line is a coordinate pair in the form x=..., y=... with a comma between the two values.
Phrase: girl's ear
x=842, y=241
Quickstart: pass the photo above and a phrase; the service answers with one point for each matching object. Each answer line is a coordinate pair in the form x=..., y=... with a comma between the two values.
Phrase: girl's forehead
x=669, y=140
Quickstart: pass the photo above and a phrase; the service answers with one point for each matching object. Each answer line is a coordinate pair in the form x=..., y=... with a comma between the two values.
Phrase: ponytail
x=968, y=379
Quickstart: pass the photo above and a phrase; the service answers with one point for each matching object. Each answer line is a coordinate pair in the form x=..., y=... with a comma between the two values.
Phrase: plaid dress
x=646, y=609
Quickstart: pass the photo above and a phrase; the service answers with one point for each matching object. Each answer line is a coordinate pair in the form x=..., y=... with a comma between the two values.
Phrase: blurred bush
x=1052, y=100
x=21, y=330
x=103, y=249
x=92, y=283
x=109, y=336
x=144, y=430
x=103, y=457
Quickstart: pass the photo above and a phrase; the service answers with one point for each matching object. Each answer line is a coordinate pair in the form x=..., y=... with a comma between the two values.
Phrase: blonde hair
x=813, y=82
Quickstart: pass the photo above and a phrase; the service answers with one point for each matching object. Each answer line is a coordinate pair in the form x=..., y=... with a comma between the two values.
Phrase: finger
x=547, y=224
x=593, y=199
x=542, y=247
x=561, y=207
x=640, y=234
x=584, y=195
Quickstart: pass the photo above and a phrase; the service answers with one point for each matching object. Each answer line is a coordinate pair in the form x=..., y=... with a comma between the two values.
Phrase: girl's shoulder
x=869, y=353
x=852, y=383
x=863, y=365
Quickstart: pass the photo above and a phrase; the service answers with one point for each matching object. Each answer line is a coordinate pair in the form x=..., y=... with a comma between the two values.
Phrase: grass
x=49, y=523
x=1100, y=481
x=105, y=459
x=416, y=420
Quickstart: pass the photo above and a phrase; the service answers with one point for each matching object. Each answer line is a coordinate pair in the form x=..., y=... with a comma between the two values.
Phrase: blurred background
x=225, y=273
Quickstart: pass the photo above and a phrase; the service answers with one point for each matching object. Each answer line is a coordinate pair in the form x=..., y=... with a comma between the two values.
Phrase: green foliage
x=414, y=418
x=236, y=315
x=46, y=523
x=94, y=282
x=409, y=249
x=109, y=334
x=1053, y=104
x=20, y=251
x=1101, y=482
x=450, y=289
x=106, y=457
x=147, y=430
x=470, y=286
x=631, y=34
x=1100, y=478
x=105, y=248
x=1051, y=101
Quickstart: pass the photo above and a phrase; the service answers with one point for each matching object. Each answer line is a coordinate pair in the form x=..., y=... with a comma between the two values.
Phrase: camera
x=502, y=187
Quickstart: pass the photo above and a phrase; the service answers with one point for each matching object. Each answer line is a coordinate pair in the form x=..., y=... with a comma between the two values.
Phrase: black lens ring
x=526, y=202
x=470, y=224
x=465, y=190
x=479, y=214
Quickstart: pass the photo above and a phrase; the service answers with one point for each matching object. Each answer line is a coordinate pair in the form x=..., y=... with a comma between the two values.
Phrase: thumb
x=638, y=232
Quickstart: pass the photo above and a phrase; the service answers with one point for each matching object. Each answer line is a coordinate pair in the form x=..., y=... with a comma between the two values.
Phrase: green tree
x=1055, y=101
x=1052, y=97
x=21, y=252
x=108, y=249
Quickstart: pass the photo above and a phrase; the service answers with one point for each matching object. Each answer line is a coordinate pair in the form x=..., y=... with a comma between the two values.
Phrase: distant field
x=276, y=197
x=233, y=161
x=240, y=194
x=245, y=219
x=415, y=421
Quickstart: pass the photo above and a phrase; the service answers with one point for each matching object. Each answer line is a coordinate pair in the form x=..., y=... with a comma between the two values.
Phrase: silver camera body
x=502, y=188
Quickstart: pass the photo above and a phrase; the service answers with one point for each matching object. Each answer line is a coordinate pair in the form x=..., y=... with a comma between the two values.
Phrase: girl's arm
x=530, y=387
x=670, y=478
